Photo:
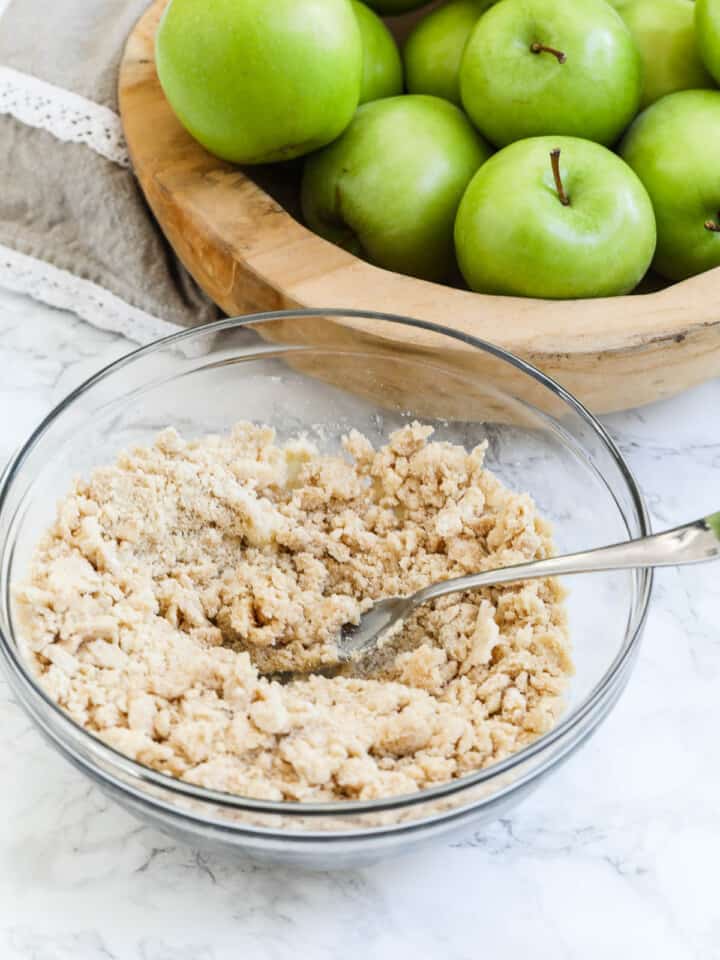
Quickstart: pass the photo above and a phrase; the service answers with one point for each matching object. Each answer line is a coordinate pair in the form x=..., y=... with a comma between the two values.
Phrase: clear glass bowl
x=324, y=373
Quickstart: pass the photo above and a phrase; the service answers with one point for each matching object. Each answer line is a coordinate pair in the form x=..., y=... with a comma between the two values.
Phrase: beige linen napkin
x=74, y=228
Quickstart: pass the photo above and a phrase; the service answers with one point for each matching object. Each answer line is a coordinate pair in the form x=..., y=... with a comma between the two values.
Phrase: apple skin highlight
x=673, y=147
x=664, y=33
x=515, y=235
x=433, y=51
x=382, y=74
x=258, y=82
x=539, y=67
x=389, y=188
x=707, y=30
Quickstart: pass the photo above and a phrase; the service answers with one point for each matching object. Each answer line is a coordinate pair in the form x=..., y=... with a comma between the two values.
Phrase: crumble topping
x=173, y=580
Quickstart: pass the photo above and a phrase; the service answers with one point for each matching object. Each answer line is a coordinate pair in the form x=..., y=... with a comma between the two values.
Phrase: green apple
x=257, y=82
x=536, y=67
x=391, y=8
x=389, y=188
x=555, y=217
x=434, y=49
x=674, y=147
x=664, y=33
x=382, y=67
x=707, y=28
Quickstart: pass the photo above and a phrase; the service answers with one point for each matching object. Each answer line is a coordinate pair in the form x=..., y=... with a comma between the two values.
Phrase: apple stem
x=712, y=225
x=541, y=48
x=555, y=163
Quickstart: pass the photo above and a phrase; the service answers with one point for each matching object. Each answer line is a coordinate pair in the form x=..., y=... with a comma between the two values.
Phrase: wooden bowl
x=237, y=231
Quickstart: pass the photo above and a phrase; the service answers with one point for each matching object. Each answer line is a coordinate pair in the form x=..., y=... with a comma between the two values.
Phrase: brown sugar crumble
x=173, y=579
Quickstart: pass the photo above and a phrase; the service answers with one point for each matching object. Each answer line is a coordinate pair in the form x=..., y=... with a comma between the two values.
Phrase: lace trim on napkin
x=66, y=115
x=98, y=306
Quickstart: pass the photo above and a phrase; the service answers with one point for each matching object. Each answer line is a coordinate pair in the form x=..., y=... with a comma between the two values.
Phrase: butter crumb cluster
x=173, y=580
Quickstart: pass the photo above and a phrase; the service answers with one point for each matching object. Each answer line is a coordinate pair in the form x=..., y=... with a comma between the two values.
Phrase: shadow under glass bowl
x=323, y=373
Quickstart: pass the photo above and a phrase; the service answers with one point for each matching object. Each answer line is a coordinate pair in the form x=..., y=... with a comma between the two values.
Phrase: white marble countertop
x=616, y=856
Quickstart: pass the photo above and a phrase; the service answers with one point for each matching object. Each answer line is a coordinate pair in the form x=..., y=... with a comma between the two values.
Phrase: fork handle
x=692, y=543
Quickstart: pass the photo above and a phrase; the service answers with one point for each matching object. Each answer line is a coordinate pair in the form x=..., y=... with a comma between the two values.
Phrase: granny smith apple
x=382, y=67
x=434, y=48
x=707, y=29
x=664, y=33
x=255, y=81
x=536, y=67
x=388, y=189
x=555, y=217
x=674, y=147
x=390, y=8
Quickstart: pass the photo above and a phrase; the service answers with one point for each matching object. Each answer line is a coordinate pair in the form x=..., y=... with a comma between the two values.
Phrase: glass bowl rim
x=141, y=773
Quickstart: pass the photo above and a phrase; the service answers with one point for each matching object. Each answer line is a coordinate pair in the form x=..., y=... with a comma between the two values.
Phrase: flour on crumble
x=174, y=579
